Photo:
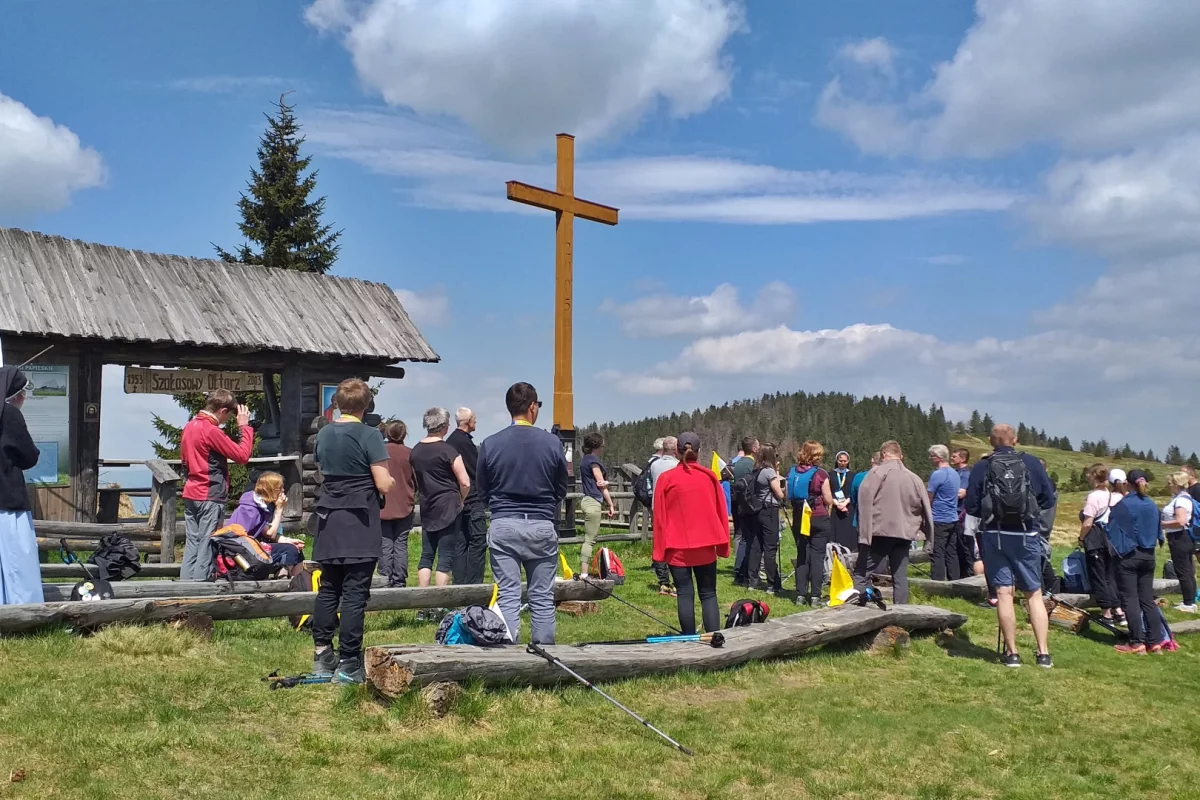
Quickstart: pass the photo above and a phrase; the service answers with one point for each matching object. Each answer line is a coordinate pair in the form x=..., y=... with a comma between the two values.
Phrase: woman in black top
x=354, y=464
x=841, y=516
x=20, y=575
x=443, y=484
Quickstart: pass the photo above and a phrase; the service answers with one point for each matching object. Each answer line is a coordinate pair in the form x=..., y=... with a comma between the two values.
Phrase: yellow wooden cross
x=566, y=207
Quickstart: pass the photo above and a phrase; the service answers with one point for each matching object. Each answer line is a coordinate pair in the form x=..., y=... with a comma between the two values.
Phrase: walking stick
x=715, y=639
x=595, y=585
x=787, y=516
x=538, y=651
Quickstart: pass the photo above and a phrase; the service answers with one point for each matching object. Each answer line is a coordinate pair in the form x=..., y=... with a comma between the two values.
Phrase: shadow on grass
x=959, y=645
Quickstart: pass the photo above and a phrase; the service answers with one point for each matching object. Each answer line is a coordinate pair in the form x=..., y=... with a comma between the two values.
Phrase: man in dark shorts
x=443, y=484
x=1009, y=536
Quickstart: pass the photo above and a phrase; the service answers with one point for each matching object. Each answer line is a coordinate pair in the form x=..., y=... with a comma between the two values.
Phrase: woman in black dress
x=841, y=515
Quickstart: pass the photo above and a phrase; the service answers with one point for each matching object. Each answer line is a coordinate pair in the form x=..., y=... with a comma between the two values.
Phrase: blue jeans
x=1012, y=559
x=532, y=544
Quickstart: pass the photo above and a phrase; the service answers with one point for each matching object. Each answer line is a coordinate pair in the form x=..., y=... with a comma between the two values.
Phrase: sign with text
x=181, y=381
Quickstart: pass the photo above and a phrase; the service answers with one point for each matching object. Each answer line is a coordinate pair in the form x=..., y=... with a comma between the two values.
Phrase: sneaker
x=742, y=583
x=667, y=591
x=1010, y=660
x=325, y=662
x=1155, y=649
x=1120, y=621
x=1131, y=649
x=770, y=591
x=1187, y=608
x=1170, y=645
x=1043, y=661
x=349, y=671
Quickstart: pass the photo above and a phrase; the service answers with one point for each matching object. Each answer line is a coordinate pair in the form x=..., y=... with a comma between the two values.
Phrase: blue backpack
x=798, y=484
x=1074, y=574
x=1193, y=528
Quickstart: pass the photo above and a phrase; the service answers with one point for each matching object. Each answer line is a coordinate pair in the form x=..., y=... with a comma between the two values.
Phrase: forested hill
x=839, y=421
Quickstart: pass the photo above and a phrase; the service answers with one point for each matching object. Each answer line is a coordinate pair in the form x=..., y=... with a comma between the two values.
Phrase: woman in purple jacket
x=260, y=513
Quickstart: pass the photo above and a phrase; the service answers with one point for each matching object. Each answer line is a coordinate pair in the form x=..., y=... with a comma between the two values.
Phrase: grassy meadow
x=150, y=712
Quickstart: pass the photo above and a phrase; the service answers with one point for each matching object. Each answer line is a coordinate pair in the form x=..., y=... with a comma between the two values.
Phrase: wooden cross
x=566, y=206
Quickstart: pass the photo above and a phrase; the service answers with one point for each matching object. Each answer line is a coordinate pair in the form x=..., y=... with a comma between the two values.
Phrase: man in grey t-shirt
x=668, y=460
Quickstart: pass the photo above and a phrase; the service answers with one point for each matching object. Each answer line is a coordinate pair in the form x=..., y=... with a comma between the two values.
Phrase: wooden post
x=166, y=496
x=87, y=448
x=291, y=438
x=272, y=398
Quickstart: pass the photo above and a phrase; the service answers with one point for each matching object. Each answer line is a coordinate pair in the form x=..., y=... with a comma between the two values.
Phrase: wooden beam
x=92, y=545
x=291, y=441
x=553, y=201
x=31, y=616
x=392, y=670
x=86, y=410
x=76, y=571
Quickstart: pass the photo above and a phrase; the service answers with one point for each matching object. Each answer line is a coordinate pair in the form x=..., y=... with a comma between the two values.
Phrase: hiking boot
x=1043, y=661
x=1010, y=660
x=1187, y=608
x=325, y=662
x=1131, y=649
x=349, y=671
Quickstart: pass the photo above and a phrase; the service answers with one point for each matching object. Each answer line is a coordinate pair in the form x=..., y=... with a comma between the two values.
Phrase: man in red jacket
x=206, y=450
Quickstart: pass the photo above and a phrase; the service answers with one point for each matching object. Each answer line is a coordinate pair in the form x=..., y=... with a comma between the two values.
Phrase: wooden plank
x=291, y=385
x=86, y=412
x=31, y=616
x=554, y=201
x=392, y=670
x=141, y=380
x=91, y=545
x=161, y=471
x=77, y=571
x=169, y=519
x=87, y=530
x=1187, y=626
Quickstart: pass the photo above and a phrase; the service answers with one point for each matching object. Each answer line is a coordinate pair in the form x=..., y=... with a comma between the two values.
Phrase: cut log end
x=387, y=677
x=578, y=608
x=439, y=697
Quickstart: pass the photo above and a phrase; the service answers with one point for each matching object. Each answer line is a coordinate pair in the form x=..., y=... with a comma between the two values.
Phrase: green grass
x=155, y=713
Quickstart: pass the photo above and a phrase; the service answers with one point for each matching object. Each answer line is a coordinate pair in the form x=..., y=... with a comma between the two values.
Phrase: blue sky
x=988, y=206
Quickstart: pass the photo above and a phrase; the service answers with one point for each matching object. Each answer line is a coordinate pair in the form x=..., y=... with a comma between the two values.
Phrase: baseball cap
x=1136, y=475
x=1117, y=475
x=687, y=440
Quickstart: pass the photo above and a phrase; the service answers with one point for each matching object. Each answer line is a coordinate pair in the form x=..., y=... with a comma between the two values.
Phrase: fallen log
x=1187, y=626
x=392, y=670
x=91, y=530
x=31, y=616
x=92, y=545
x=124, y=590
x=77, y=571
x=975, y=588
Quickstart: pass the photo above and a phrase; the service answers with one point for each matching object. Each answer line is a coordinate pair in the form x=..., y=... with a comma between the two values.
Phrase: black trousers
x=472, y=522
x=764, y=546
x=895, y=552
x=706, y=585
x=1183, y=558
x=742, y=568
x=810, y=556
x=967, y=552
x=662, y=572
x=1102, y=574
x=350, y=586
x=1135, y=576
x=394, y=564
x=945, y=566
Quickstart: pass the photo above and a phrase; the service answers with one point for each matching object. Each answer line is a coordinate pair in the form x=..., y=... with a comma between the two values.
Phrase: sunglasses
x=539, y=403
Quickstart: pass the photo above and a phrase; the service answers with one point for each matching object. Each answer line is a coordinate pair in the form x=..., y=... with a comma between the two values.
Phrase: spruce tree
x=283, y=222
x=1174, y=456
x=1193, y=461
x=976, y=424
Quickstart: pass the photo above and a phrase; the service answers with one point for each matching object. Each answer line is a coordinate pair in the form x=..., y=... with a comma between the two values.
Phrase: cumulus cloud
x=429, y=308
x=42, y=164
x=518, y=71
x=876, y=53
x=721, y=311
x=1087, y=76
x=442, y=166
x=647, y=383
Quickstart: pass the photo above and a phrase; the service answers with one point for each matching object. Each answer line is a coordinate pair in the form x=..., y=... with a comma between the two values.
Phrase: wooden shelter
x=239, y=325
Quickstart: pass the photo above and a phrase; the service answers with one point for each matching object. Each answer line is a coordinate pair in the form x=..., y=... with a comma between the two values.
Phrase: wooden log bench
x=76, y=571
x=975, y=588
x=31, y=616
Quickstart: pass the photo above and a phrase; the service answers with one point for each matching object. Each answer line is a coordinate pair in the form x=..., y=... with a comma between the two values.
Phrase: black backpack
x=743, y=493
x=116, y=559
x=643, y=487
x=1009, y=501
x=746, y=612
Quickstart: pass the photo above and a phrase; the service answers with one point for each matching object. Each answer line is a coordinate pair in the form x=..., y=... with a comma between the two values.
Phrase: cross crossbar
x=553, y=201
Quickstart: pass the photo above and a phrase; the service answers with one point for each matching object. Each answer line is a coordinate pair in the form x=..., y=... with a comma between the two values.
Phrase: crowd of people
x=992, y=518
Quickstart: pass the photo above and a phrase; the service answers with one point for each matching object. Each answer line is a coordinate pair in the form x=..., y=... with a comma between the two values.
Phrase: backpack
x=606, y=564
x=238, y=557
x=744, y=494
x=1074, y=574
x=643, y=487
x=798, y=484
x=92, y=589
x=745, y=612
x=116, y=558
x=1008, y=501
x=1193, y=527
x=307, y=579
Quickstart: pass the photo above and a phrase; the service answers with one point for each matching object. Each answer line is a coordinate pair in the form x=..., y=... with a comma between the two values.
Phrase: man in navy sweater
x=522, y=477
x=1012, y=548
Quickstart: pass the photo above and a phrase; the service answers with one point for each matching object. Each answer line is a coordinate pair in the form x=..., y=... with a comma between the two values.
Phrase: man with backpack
x=1008, y=491
x=742, y=466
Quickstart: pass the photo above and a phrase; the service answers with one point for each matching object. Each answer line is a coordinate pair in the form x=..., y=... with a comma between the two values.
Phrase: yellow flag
x=806, y=520
x=841, y=587
x=567, y=574
x=718, y=464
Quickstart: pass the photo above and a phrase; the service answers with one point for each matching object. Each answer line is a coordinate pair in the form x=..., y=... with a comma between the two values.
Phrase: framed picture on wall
x=329, y=409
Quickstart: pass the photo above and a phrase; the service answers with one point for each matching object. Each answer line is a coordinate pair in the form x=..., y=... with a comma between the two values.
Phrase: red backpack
x=745, y=612
x=608, y=567
x=238, y=557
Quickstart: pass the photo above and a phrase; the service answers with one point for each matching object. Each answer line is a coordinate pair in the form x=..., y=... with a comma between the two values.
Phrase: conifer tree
x=283, y=222
x=976, y=424
x=1174, y=456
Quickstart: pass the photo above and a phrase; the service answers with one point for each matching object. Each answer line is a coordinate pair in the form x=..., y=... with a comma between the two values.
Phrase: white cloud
x=876, y=53
x=646, y=384
x=718, y=312
x=1088, y=76
x=427, y=309
x=440, y=166
x=518, y=71
x=226, y=84
x=42, y=164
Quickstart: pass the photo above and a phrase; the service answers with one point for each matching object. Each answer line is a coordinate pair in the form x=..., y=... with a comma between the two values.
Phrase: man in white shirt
x=668, y=460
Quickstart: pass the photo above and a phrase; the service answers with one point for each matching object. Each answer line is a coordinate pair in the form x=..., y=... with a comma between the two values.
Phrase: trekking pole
x=595, y=585
x=538, y=651
x=715, y=639
x=788, y=517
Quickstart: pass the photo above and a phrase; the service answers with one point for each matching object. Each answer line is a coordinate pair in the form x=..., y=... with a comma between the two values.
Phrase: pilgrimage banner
x=47, y=412
x=182, y=381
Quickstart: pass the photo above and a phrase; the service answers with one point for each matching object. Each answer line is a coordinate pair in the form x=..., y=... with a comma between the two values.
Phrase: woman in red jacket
x=691, y=529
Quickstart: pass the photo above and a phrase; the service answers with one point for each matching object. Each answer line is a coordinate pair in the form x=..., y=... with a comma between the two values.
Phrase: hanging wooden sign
x=140, y=380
